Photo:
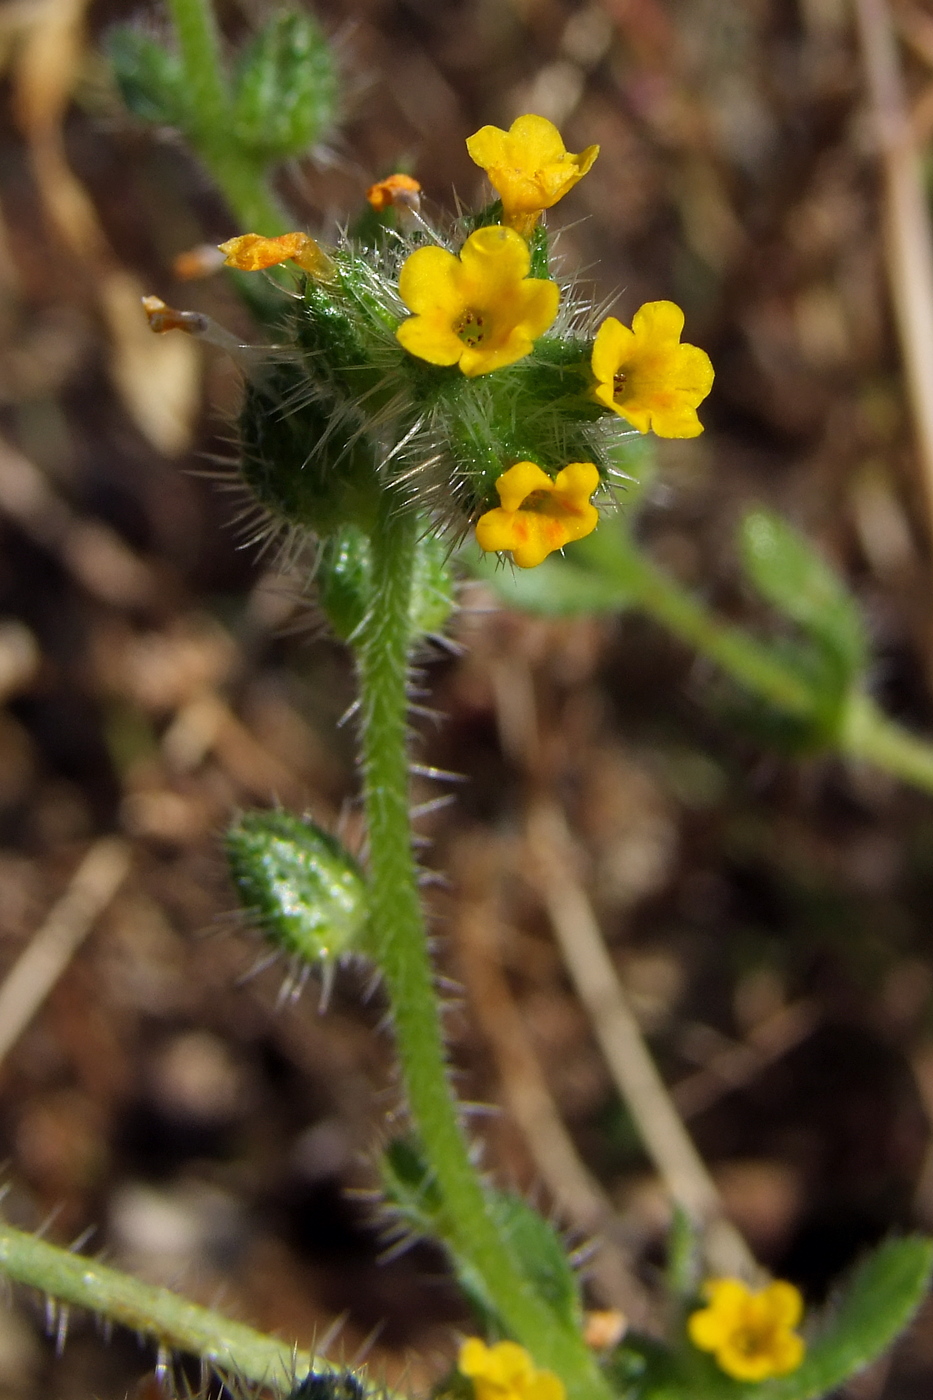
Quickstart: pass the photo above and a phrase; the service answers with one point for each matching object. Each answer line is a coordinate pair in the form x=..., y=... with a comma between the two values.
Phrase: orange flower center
x=471, y=329
x=547, y=503
x=752, y=1340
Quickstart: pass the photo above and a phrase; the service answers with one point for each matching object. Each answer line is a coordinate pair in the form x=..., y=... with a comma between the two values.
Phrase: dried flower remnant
x=647, y=376
x=506, y=1372
x=529, y=167
x=538, y=515
x=480, y=310
x=195, y=263
x=162, y=318
x=751, y=1334
x=251, y=252
x=395, y=190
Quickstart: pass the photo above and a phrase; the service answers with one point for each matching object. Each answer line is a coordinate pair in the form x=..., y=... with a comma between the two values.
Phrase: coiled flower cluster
x=456, y=368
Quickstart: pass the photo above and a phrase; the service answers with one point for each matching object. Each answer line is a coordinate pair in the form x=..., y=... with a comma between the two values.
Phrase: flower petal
x=659, y=322
x=539, y=300
x=488, y=146
x=613, y=344
x=430, y=280
x=783, y=1302
x=519, y=481
x=431, y=338
x=534, y=141
x=493, y=258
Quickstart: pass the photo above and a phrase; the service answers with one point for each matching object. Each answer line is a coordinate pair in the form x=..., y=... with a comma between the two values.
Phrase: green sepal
x=344, y=587
x=286, y=89
x=298, y=885
x=540, y=253
x=413, y=1196
x=150, y=77
x=795, y=579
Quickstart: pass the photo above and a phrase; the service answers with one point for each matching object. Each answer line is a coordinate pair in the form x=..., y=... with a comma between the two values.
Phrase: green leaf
x=298, y=885
x=343, y=583
x=787, y=571
x=878, y=1304
x=415, y=1200
x=287, y=89
x=150, y=77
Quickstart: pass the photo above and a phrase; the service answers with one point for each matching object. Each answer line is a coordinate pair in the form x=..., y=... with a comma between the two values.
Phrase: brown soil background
x=165, y=682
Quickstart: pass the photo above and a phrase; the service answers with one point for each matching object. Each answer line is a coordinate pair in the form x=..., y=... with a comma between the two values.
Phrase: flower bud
x=298, y=886
x=286, y=92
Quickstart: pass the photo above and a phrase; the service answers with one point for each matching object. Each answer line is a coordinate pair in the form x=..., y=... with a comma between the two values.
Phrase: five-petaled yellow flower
x=751, y=1334
x=538, y=515
x=506, y=1372
x=646, y=375
x=480, y=310
x=528, y=166
x=251, y=252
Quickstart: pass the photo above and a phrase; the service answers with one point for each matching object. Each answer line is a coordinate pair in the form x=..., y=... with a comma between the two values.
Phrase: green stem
x=199, y=42
x=401, y=948
x=171, y=1321
x=869, y=735
x=750, y=662
x=865, y=733
x=241, y=180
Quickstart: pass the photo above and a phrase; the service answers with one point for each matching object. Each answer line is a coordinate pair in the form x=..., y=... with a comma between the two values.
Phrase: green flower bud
x=150, y=77
x=303, y=455
x=298, y=885
x=286, y=92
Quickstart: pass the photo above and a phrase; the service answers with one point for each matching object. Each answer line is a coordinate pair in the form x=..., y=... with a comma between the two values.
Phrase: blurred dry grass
x=768, y=917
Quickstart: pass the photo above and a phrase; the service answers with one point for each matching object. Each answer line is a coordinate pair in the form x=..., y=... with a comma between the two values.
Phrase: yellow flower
x=480, y=311
x=394, y=189
x=751, y=1334
x=528, y=166
x=506, y=1372
x=251, y=252
x=538, y=515
x=646, y=375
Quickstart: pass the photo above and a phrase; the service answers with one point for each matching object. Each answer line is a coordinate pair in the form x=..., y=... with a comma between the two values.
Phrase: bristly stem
x=401, y=950
x=241, y=180
x=169, y=1320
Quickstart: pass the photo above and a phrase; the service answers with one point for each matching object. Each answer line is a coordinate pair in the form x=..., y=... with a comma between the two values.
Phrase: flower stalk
x=241, y=180
x=399, y=934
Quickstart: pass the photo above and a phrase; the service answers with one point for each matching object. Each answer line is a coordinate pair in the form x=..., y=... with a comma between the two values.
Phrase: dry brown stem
x=630, y=1063
x=908, y=241
x=38, y=968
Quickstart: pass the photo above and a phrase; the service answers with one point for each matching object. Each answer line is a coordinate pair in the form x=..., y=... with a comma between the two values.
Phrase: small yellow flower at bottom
x=751, y=1334
x=506, y=1372
x=538, y=515
x=251, y=252
x=480, y=310
x=646, y=375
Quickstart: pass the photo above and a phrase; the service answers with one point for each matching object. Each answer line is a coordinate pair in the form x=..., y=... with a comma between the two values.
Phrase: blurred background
x=767, y=912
